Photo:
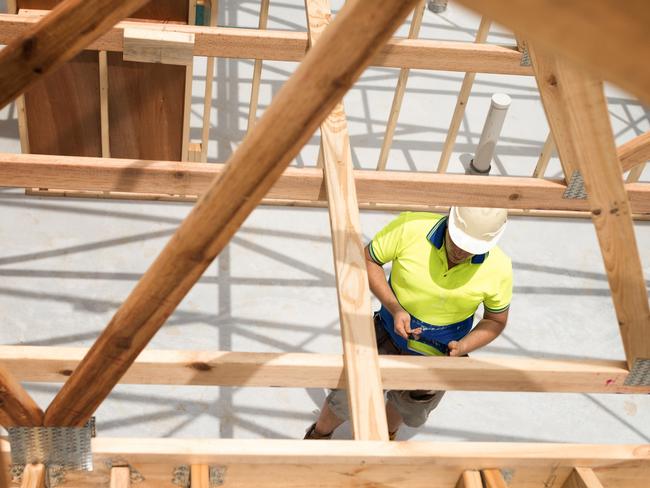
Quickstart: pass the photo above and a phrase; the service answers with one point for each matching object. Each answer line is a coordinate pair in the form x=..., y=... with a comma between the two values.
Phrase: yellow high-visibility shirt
x=422, y=281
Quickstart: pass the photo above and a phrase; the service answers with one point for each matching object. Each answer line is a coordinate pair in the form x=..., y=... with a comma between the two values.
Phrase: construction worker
x=443, y=269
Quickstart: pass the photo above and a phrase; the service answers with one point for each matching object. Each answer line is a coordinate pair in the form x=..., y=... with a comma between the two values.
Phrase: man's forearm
x=379, y=286
x=485, y=332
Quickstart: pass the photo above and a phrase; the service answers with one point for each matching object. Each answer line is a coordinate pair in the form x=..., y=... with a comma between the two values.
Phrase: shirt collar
x=436, y=236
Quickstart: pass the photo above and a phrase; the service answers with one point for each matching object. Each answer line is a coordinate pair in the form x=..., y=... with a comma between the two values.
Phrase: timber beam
x=301, y=370
x=17, y=408
x=49, y=41
x=328, y=71
x=576, y=108
x=288, y=463
x=298, y=184
x=276, y=45
x=600, y=37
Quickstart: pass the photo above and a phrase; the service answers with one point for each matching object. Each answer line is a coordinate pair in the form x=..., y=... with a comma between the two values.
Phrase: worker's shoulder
x=417, y=220
x=497, y=259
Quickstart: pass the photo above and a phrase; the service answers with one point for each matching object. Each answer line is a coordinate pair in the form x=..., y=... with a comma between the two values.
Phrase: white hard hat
x=476, y=229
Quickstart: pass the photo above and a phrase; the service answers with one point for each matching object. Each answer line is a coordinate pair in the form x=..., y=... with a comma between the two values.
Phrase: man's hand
x=456, y=348
x=402, y=324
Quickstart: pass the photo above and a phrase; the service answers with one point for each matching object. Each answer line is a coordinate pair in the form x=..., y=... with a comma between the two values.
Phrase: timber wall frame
x=577, y=114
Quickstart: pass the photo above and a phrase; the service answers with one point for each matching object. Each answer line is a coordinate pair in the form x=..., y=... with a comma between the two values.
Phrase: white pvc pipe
x=490, y=135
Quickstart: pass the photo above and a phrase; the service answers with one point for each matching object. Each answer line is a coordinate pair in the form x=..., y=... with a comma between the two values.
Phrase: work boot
x=313, y=435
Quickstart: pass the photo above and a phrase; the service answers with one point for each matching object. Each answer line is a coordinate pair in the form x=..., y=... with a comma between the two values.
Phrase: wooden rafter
x=365, y=394
x=397, y=188
x=56, y=38
x=303, y=370
x=328, y=71
x=575, y=104
x=278, y=45
x=16, y=405
x=635, y=151
x=601, y=37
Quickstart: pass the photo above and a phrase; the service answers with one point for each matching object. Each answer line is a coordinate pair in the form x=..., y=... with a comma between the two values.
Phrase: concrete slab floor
x=67, y=264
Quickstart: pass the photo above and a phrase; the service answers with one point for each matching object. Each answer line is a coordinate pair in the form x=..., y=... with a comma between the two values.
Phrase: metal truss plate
x=576, y=188
x=639, y=374
x=525, y=57
x=67, y=447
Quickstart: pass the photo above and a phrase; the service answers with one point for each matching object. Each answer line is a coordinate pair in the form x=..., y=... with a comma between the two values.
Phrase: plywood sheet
x=62, y=110
x=145, y=100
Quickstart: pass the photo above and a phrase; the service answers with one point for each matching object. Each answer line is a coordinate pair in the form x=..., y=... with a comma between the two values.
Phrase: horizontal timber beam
x=287, y=463
x=302, y=370
x=299, y=184
x=228, y=42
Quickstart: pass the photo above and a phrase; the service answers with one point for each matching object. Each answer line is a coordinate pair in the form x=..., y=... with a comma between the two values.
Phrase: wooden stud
x=55, y=39
x=365, y=394
x=189, y=76
x=544, y=157
x=257, y=69
x=558, y=118
x=194, y=152
x=461, y=102
x=200, y=476
x=156, y=46
x=33, y=476
x=578, y=101
x=22, y=124
x=17, y=408
x=399, y=189
x=564, y=29
x=493, y=478
x=470, y=479
x=280, y=45
x=335, y=63
x=302, y=370
x=207, y=96
x=120, y=477
x=634, y=151
x=582, y=478
x=414, y=31
x=103, y=104
x=635, y=173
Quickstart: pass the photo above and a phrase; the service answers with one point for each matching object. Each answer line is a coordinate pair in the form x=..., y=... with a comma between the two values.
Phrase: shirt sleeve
x=385, y=246
x=499, y=300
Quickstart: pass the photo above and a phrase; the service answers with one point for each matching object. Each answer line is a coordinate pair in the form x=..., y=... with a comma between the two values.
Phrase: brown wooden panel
x=145, y=109
x=146, y=101
x=62, y=111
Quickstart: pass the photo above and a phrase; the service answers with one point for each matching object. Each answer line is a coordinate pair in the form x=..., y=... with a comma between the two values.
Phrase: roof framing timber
x=276, y=45
x=51, y=40
x=365, y=393
x=320, y=81
x=600, y=37
x=16, y=405
x=577, y=112
x=288, y=463
x=307, y=185
x=307, y=370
